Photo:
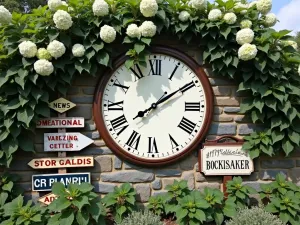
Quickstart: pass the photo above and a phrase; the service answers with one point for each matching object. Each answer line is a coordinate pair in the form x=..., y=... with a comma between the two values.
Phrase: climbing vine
x=42, y=52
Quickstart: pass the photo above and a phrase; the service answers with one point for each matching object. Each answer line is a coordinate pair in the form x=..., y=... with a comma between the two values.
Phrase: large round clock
x=156, y=114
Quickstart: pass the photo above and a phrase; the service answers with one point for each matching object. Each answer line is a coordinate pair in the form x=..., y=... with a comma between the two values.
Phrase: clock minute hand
x=172, y=94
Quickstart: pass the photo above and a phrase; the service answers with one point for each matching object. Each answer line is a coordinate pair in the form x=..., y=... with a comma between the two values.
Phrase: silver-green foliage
x=141, y=218
x=255, y=216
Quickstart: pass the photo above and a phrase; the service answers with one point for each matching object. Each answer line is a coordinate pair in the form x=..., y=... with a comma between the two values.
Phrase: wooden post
x=225, y=180
x=62, y=154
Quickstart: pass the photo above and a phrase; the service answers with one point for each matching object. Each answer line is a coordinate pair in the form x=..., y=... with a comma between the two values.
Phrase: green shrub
x=254, y=216
x=76, y=205
x=141, y=218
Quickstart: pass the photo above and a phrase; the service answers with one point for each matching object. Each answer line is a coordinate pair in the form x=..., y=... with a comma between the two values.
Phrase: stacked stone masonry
x=110, y=171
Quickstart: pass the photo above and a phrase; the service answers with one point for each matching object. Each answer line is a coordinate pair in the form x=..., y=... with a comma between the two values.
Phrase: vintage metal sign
x=44, y=182
x=225, y=160
x=75, y=122
x=47, y=199
x=65, y=142
x=68, y=162
x=61, y=105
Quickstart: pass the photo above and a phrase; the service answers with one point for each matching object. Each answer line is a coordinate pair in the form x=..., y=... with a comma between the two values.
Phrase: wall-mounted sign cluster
x=61, y=142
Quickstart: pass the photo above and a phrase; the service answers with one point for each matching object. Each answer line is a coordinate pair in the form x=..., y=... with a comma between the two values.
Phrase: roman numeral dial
x=154, y=111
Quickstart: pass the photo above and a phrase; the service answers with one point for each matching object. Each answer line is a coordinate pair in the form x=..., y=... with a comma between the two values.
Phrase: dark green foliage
x=22, y=5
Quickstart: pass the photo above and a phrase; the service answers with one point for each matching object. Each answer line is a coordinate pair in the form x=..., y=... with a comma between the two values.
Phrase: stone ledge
x=281, y=164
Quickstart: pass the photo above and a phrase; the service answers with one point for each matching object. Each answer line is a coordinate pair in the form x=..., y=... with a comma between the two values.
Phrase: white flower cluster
x=108, y=34
x=299, y=70
x=148, y=29
x=244, y=36
x=43, y=53
x=246, y=24
x=28, y=49
x=5, y=15
x=270, y=20
x=133, y=31
x=290, y=43
x=62, y=20
x=43, y=67
x=230, y=18
x=78, y=50
x=264, y=6
x=54, y=4
x=148, y=8
x=100, y=8
x=56, y=49
x=247, y=52
x=215, y=15
x=198, y=4
x=243, y=6
x=251, y=4
x=184, y=16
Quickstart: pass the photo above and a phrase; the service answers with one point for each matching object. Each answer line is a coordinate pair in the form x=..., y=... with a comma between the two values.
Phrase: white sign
x=225, y=160
x=61, y=105
x=58, y=142
x=68, y=162
x=76, y=122
x=47, y=199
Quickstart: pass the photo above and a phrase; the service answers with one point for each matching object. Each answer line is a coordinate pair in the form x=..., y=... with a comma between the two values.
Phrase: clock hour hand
x=182, y=89
x=153, y=106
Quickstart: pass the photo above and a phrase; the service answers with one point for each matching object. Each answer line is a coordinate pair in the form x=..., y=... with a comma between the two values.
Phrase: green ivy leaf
x=98, y=46
x=25, y=143
x=147, y=41
x=103, y=58
x=77, y=31
x=265, y=48
x=161, y=14
x=129, y=63
x=225, y=31
x=274, y=56
x=287, y=146
x=138, y=47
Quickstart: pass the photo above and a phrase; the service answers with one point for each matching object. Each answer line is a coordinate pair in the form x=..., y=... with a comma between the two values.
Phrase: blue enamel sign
x=45, y=182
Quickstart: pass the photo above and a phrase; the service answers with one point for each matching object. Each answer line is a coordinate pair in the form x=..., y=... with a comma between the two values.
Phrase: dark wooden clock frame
x=97, y=109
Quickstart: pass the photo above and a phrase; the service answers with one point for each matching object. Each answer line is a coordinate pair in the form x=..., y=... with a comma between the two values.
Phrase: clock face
x=154, y=114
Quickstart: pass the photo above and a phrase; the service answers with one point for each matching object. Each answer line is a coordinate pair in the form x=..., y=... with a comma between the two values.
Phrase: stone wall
x=110, y=171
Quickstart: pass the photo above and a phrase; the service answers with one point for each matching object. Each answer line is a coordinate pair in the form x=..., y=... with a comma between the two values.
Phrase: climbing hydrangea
x=246, y=24
x=148, y=8
x=28, y=49
x=56, y=49
x=43, y=53
x=184, y=16
x=54, y=4
x=5, y=15
x=215, y=15
x=108, y=34
x=264, y=6
x=78, y=50
x=43, y=67
x=270, y=20
x=148, y=29
x=133, y=31
x=247, y=52
x=100, y=8
x=244, y=36
x=230, y=18
x=62, y=20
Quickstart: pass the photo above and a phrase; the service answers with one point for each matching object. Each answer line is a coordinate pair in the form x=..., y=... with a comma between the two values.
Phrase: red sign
x=68, y=162
x=61, y=123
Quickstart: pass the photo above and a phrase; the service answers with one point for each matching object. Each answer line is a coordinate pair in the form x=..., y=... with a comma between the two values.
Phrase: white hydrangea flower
x=247, y=52
x=299, y=70
x=184, y=16
x=148, y=8
x=43, y=67
x=5, y=15
x=100, y=8
x=244, y=36
x=251, y=4
x=28, y=49
x=246, y=24
x=270, y=20
x=108, y=34
x=56, y=49
x=43, y=53
x=133, y=31
x=78, y=50
x=62, y=20
x=198, y=4
x=230, y=18
x=264, y=6
x=54, y=4
x=241, y=5
x=65, y=4
x=148, y=29
x=215, y=15
x=290, y=43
